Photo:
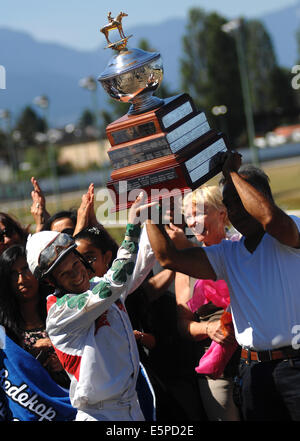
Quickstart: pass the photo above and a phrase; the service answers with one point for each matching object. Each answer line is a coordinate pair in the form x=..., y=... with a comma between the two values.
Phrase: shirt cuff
x=133, y=231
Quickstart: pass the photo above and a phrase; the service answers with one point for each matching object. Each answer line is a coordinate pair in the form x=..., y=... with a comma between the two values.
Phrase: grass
x=284, y=180
x=285, y=184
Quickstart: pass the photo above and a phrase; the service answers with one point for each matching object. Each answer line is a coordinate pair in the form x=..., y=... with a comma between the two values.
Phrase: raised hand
x=140, y=211
x=232, y=162
x=38, y=207
x=84, y=210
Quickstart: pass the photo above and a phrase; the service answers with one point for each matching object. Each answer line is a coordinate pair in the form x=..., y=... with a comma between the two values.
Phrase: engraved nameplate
x=186, y=127
x=180, y=143
x=134, y=132
x=146, y=180
x=140, y=152
x=202, y=163
x=177, y=114
x=154, y=148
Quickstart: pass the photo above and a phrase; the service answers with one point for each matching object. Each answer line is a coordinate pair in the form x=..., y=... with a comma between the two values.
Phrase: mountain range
x=36, y=68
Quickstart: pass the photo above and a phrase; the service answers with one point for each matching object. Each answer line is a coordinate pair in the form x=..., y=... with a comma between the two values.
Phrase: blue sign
x=27, y=392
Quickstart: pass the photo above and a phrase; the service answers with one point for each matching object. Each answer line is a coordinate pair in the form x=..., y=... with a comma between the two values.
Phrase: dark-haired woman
x=23, y=311
x=11, y=232
x=97, y=246
x=23, y=316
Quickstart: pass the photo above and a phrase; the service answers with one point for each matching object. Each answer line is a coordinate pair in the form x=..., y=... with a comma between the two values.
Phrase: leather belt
x=276, y=354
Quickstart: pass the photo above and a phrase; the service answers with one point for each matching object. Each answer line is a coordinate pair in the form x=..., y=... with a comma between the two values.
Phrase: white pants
x=112, y=410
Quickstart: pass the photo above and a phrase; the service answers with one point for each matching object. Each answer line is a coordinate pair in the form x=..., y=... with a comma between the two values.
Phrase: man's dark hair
x=256, y=177
x=71, y=214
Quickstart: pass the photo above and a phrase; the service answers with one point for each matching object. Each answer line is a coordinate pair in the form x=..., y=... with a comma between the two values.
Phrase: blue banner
x=27, y=392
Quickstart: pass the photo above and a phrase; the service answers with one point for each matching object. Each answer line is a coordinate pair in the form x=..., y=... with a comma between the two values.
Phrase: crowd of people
x=185, y=321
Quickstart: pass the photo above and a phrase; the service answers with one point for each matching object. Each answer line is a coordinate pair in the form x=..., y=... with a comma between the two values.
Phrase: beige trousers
x=217, y=399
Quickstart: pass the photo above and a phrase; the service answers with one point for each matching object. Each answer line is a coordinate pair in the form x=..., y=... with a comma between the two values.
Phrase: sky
x=76, y=23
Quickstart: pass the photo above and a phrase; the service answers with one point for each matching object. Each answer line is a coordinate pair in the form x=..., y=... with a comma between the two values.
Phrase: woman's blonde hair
x=211, y=195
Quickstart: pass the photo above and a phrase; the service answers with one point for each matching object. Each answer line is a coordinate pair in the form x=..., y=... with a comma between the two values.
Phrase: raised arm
x=86, y=216
x=78, y=311
x=38, y=207
x=84, y=210
x=261, y=207
x=191, y=261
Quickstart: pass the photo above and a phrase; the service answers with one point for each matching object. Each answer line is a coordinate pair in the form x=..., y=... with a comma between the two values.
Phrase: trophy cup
x=159, y=144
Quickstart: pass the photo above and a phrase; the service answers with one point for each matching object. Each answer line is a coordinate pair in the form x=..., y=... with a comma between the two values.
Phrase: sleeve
x=74, y=312
x=144, y=263
x=215, y=255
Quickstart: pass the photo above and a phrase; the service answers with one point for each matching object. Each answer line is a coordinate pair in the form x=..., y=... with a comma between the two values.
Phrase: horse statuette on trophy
x=115, y=23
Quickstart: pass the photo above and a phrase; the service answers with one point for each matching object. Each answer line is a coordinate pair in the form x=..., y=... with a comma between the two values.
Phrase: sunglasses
x=8, y=232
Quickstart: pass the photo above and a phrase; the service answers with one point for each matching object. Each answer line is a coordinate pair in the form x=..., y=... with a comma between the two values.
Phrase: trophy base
x=162, y=118
x=168, y=160
x=165, y=151
x=175, y=175
x=177, y=187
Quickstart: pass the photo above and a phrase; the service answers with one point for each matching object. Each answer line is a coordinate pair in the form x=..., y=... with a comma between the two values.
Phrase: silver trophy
x=132, y=75
x=159, y=144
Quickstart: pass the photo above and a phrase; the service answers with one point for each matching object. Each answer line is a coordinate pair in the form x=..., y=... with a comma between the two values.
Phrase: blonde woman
x=206, y=217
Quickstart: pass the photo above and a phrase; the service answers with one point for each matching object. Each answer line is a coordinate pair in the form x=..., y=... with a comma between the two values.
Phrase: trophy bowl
x=133, y=76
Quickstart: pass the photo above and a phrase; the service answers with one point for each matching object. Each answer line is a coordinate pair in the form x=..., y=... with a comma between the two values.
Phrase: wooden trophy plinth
x=171, y=148
x=172, y=174
x=176, y=110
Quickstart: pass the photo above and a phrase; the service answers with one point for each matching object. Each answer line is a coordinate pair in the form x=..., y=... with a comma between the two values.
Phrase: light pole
x=235, y=27
x=89, y=83
x=43, y=102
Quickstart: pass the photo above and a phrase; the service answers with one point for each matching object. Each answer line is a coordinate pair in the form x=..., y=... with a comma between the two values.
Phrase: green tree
x=32, y=156
x=273, y=98
x=209, y=70
x=210, y=73
x=87, y=119
x=262, y=66
x=286, y=109
x=28, y=124
x=3, y=144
